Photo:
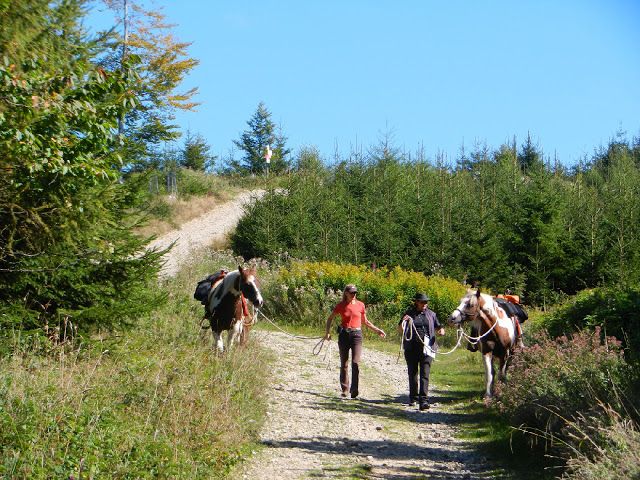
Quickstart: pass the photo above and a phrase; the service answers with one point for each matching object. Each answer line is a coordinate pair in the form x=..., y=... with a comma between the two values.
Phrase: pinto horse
x=496, y=332
x=226, y=306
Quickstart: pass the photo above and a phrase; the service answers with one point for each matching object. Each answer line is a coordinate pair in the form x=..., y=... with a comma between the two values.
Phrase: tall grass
x=613, y=447
x=153, y=402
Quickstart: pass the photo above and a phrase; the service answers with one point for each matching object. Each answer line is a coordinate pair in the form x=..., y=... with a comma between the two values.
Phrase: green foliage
x=254, y=142
x=67, y=253
x=192, y=182
x=32, y=27
x=304, y=293
x=615, y=310
x=196, y=153
x=505, y=220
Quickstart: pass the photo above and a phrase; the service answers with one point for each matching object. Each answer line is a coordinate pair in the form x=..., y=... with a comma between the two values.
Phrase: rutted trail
x=311, y=432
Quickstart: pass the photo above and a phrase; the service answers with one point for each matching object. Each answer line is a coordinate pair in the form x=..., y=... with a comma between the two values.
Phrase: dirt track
x=202, y=231
x=311, y=432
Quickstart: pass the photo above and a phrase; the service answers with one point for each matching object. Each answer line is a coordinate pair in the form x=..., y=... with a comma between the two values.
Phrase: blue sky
x=432, y=73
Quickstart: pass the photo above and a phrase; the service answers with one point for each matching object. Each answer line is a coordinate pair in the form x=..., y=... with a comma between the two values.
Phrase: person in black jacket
x=418, y=326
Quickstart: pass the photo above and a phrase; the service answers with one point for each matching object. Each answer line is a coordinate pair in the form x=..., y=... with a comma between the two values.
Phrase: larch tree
x=164, y=64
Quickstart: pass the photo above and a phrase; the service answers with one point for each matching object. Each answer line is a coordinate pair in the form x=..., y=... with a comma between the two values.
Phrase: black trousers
x=418, y=367
x=350, y=341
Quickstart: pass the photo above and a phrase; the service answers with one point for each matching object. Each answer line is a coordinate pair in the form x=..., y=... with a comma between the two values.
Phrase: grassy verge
x=154, y=402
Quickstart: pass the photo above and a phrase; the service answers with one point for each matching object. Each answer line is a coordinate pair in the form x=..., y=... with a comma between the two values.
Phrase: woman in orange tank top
x=353, y=314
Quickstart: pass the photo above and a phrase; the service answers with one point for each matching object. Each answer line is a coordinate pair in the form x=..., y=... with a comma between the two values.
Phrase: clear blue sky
x=431, y=72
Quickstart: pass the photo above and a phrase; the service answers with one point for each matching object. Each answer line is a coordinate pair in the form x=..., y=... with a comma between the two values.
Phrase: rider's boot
x=519, y=342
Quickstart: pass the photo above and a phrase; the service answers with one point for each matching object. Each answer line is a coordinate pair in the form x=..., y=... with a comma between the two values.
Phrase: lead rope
x=405, y=336
x=412, y=329
x=327, y=351
x=318, y=346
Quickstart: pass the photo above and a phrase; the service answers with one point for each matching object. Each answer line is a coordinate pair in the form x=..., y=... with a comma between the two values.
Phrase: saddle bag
x=521, y=313
x=512, y=309
x=204, y=285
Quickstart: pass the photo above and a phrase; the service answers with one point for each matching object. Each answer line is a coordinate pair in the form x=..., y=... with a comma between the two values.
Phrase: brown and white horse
x=226, y=306
x=496, y=333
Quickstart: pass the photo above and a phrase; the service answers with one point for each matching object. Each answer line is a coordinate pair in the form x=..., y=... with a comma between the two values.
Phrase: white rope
x=460, y=334
x=302, y=337
x=318, y=346
x=476, y=340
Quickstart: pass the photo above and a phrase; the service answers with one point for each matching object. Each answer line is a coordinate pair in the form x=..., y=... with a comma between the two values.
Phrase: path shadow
x=386, y=406
x=386, y=452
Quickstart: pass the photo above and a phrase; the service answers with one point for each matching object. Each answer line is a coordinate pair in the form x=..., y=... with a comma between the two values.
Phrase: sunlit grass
x=152, y=402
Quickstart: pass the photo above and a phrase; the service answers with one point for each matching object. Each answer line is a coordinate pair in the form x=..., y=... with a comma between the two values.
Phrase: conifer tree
x=196, y=153
x=254, y=142
x=67, y=251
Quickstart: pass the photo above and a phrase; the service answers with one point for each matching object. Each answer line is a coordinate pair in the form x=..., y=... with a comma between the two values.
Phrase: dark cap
x=351, y=288
x=420, y=297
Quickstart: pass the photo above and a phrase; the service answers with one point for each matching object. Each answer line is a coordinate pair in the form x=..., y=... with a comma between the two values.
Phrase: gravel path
x=312, y=432
x=202, y=231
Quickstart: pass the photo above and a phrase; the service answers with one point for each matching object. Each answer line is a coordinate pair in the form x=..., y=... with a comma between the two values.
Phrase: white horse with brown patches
x=496, y=332
x=226, y=306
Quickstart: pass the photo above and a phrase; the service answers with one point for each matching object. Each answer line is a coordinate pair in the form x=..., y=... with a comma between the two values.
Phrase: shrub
x=304, y=293
x=160, y=208
x=555, y=381
x=192, y=182
x=616, y=310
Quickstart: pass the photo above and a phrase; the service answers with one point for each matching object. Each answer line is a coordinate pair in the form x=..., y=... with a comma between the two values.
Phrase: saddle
x=511, y=308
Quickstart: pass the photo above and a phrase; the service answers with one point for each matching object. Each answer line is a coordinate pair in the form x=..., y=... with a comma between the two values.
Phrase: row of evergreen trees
x=504, y=218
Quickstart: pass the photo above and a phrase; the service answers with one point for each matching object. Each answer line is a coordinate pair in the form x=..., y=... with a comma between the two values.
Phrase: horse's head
x=248, y=286
x=468, y=308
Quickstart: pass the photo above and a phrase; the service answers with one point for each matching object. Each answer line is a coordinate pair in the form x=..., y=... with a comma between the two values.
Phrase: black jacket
x=426, y=323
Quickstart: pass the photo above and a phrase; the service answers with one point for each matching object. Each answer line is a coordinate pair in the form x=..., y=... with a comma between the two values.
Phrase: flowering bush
x=305, y=292
x=615, y=309
x=555, y=381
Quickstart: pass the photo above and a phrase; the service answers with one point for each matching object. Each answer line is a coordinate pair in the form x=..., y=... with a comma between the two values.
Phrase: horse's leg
x=217, y=341
x=504, y=363
x=244, y=336
x=488, y=372
x=234, y=333
x=231, y=336
x=238, y=327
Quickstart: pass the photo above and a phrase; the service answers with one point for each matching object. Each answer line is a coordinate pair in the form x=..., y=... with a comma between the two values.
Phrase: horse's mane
x=489, y=303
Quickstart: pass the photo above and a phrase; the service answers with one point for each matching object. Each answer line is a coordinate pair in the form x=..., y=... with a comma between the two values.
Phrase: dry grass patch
x=177, y=212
